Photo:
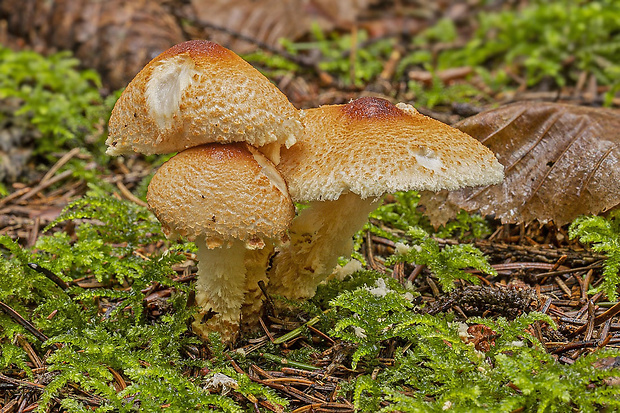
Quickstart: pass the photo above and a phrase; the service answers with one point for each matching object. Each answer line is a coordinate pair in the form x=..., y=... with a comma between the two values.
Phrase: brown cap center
x=371, y=108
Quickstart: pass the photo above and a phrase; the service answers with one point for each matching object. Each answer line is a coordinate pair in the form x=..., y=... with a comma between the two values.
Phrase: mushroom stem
x=256, y=264
x=318, y=236
x=220, y=289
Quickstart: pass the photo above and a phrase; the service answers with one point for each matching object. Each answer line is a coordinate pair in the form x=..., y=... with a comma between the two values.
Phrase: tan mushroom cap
x=199, y=92
x=371, y=147
x=221, y=193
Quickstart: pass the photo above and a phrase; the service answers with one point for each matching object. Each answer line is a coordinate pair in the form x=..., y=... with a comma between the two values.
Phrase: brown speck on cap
x=371, y=108
x=197, y=49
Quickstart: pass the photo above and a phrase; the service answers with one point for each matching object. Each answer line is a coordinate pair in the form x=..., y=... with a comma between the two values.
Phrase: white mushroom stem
x=256, y=263
x=318, y=236
x=220, y=288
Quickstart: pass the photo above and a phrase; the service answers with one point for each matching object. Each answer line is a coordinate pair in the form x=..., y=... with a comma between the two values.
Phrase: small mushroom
x=200, y=92
x=229, y=199
x=349, y=157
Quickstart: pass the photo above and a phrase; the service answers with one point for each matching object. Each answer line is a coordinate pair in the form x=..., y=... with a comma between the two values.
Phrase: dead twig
x=599, y=319
x=45, y=184
x=23, y=322
x=59, y=164
x=53, y=277
x=129, y=195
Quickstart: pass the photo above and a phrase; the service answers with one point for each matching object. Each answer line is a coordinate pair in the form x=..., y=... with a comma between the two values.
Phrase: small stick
x=262, y=372
x=586, y=284
x=268, y=299
x=322, y=334
x=53, y=277
x=416, y=271
x=578, y=345
x=399, y=272
x=546, y=305
x=266, y=330
x=129, y=195
x=563, y=287
x=63, y=160
x=390, y=66
x=308, y=408
x=289, y=380
x=45, y=184
x=600, y=319
x=605, y=336
x=9, y=406
x=294, y=333
x=433, y=286
x=307, y=398
x=597, y=264
x=23, y=322
x=316, y=375
x=14, y=195
x=286, y=362
x=590, y=324
x=371, y=258
x=34, y=232
x=582, y=291
x=32, y=355
x=559, y=262
x=22, y=405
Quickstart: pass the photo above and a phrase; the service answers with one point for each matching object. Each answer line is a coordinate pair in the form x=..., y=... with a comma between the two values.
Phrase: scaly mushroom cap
x=199, y=92
x=371, y=147
x=221, y=193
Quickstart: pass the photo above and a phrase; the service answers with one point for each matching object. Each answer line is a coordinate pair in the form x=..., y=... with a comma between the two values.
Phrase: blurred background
x=397, y=47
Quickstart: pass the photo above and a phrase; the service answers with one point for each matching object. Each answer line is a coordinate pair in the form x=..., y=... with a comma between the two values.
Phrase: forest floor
x=538, y=267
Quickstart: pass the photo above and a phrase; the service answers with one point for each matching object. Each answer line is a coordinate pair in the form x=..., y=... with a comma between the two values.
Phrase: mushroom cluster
x=221, y=190
x=245, y=154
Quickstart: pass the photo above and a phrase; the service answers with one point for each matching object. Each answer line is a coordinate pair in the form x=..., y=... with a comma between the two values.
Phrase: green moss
x=556, y=40
x=604, y=235
x=438, y=367
x=446, y=263
x=62, y=101
x=97, y=331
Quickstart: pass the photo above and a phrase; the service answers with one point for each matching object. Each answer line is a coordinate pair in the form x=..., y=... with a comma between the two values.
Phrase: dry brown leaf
x=270, y=20
x=115, y=37
x=561, y=161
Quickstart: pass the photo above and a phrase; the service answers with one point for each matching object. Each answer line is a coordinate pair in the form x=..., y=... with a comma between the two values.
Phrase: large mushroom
x=200, y=92
x=349, y=157
x=195, y=93
x=230, y=200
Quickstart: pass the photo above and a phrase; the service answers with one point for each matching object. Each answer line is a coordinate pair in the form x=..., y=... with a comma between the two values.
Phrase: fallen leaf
x=560, y=160
x=269, y=21
x=115, y=37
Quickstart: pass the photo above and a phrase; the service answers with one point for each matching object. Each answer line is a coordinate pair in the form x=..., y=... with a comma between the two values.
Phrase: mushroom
x=200, y=92
x=349, y=157
x=229, y=199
